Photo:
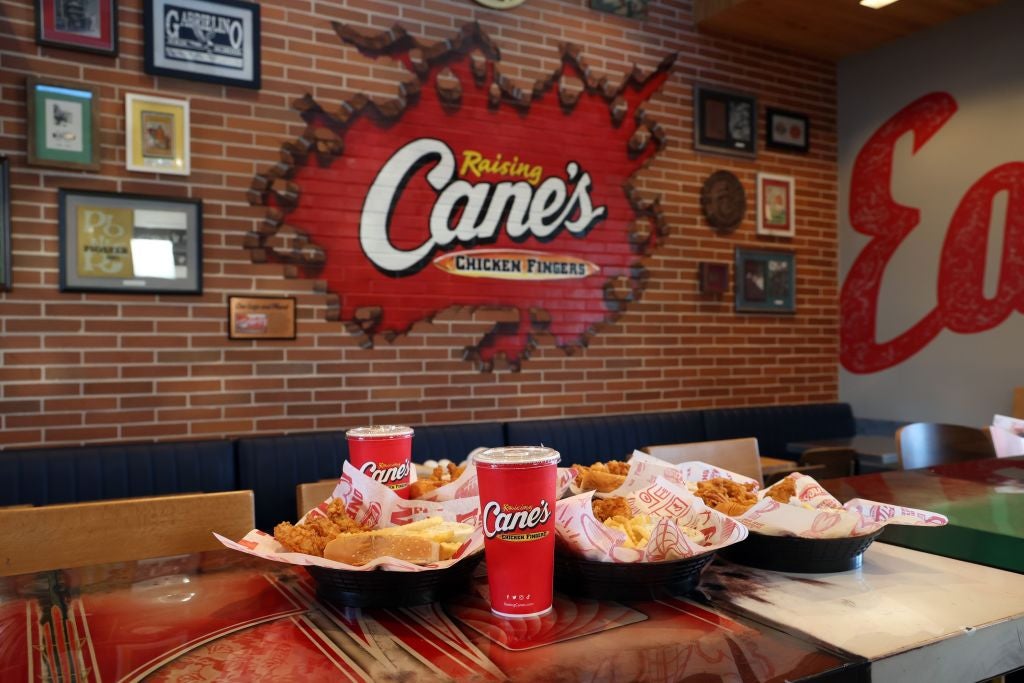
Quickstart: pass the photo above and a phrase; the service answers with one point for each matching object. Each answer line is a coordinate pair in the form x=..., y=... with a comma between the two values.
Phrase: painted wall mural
x=467, y=190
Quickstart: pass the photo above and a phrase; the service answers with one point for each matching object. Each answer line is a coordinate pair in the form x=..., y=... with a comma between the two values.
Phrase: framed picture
x=261, y=317
x=724, y=122
x=714, y=277
x=5, y=225
x=765, y=281
x=775, y=207
x=787, y=130
x=63, y=125
x=86, y=25
x=637, y=9
x=156, y=134
x=129, y=243
x=217, y=41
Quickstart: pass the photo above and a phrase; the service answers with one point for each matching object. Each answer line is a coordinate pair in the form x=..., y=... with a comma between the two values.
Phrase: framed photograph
x=714, y=277
x=724, y=122
x=63, y=125
x=636, y=9
x=765, y=281
x=775, y=207
x=129, y=243
x=787, y=130
x=5, y=225
x=156, y=134
x=86, y=25
x=261, y=317
x=217, y=41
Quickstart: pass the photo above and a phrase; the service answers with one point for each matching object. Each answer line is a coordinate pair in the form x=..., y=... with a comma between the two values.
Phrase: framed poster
x=787, y=130
x=765, y=281
x=129, y=243
x=261, y=317
x=217, y=41
x=775, y=208
x=156, y=134
x=724, y=122
x=63, y=125
x=636, y=9
x=5, y=225
x=86, y=25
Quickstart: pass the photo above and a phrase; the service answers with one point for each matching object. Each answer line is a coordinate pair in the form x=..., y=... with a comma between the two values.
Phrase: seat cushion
x=79, y=474
x=775, y=426
x=586, y=440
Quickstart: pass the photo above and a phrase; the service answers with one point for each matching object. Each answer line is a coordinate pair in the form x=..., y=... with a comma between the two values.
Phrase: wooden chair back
x=308, y=496
x=1018, y=403
x=923, y=444
x=834, y=462
x=80, y=534
x=737, y=455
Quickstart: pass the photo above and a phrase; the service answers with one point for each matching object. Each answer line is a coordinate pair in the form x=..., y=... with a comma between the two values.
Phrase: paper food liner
x=582, y=534
x=1007, y=436
x=466, y=486
x=372, y=504
x=814, y=513
x=645, y=469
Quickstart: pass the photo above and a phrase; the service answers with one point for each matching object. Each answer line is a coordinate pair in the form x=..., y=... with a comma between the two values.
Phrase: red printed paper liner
x=645, y=469
x=465, y=486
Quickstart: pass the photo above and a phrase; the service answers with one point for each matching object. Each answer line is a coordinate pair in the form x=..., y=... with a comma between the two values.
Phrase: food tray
x=627, y=580
x=379, y=588
x=801, y=555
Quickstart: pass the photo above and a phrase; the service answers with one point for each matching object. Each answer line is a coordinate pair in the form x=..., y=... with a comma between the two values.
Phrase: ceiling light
x=876, y=4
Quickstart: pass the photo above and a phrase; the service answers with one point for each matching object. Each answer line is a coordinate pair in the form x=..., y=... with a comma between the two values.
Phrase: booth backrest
x=586, y=440
x=775, y=426
x=86, y=473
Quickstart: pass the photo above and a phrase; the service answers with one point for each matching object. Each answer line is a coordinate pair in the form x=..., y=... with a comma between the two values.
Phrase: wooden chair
x=834, y=462
x=308, y=496
x=923, y=444
x=1018, y=403
x=737, y=455
x=80, y=534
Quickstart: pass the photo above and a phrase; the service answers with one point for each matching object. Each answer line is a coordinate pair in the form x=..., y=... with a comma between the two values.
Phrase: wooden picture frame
x=787, y=131
x=261, y=317
x=765, y=281
x=228, y=54
x=724, y=122
x=87, y=26
x=5, y=224
x=776, y=211
x=127, y=243
x=63, y=124
x=157, y=134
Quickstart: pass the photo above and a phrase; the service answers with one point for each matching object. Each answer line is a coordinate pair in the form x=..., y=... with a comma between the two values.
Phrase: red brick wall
x=100, y=367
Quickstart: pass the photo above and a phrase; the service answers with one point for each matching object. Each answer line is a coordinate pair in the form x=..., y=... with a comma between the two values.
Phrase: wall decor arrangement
x=787, y=131
x=765, y=281
x=775, y=205
x=724, y=121
x=723, y=202
x=85, y=25
x=714, y=277
x=127, y=243
x=217, y=41
x=636, y=9
x=500, y=4
x=156, y=134
x=63, y=125
x=5, y=225
x=261, y=317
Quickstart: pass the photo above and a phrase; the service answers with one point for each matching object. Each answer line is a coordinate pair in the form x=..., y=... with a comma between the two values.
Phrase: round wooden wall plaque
x=500, y=4
x=723, y=201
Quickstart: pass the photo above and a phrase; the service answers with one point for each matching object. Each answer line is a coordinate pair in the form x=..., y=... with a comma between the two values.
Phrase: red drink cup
x=383, y=453
x=517, y=503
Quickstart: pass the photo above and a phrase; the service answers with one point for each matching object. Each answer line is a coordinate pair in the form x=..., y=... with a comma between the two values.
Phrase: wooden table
x=772, y=467
x=874, y=451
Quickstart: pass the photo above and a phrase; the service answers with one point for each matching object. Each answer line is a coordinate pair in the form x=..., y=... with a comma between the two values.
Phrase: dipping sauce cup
x=383, y=453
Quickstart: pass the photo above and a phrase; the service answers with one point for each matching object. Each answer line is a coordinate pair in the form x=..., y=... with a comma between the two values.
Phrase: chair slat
x=737, y=455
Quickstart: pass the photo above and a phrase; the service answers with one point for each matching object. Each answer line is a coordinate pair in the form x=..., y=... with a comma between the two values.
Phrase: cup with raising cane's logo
x=517, y=505
x=383, y=453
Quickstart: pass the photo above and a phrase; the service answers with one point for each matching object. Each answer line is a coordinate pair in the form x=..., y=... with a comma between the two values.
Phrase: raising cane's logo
x=395, y=476
x=515, y=522
x=469, y=190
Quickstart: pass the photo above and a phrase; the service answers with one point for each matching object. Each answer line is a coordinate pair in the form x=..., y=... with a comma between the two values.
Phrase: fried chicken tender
x=341, y=519
x=726, y=495
x=782, y=491
x=312, y=535
x=601, y=477
x=610, y=507
x=438, y=478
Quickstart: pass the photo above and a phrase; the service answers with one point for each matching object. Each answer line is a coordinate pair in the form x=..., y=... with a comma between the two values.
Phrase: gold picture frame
x=157, y=134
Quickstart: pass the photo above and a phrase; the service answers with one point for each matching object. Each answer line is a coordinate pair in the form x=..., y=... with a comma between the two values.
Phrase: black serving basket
x=627, y=580
x=800, y=555
x=380, y=588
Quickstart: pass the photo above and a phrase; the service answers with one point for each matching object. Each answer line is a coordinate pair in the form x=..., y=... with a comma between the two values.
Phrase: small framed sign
x=714, y=277
x=261, y=317
x=85, y=25
x=775, y=215
x=724, y=121
x=129, y=243
x=63, y=125
x=217, y=41
x=765, y=281
x=156, y=134
x=787, y=130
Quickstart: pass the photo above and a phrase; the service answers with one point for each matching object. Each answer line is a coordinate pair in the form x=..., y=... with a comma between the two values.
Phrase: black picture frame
x=5, y=224
x=53, y=29
x=724, y=122
x=169, y=52
x=765, y=281
x=105, y=236
x=787, y=131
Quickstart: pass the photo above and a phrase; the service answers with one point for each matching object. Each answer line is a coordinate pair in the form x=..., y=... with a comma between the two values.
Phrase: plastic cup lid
x=517, y=455
x=379, y=432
